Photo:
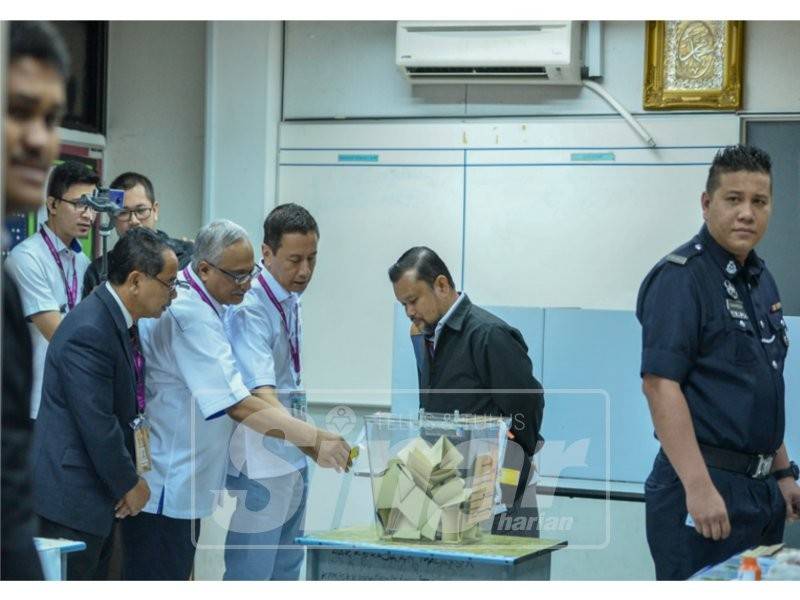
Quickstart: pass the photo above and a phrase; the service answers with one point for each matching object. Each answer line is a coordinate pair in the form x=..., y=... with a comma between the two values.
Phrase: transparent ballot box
x=435, y=477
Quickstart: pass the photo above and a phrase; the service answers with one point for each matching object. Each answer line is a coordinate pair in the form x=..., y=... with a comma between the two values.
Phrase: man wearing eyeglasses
x=195, y=397
x=49, y=266
x=140, y=210
x=90, y=445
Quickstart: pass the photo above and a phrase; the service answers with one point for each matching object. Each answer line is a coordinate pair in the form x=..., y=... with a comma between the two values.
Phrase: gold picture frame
x=693, y=64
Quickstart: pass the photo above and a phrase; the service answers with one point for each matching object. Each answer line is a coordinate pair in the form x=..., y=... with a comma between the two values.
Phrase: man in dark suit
x=36, y=73
x=84, y=470
x=467, y=348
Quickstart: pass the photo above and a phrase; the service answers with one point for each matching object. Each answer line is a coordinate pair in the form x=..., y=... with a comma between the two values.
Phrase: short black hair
x=129, y=180
x=424, y=262
x=287, y=218
x=737, y=158
x=138, y=250
x=39, y=40
x=67, y=174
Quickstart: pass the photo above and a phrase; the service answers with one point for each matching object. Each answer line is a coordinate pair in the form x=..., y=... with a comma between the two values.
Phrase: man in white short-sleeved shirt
x=195, y=396
x=49, y=265
x=268, y=476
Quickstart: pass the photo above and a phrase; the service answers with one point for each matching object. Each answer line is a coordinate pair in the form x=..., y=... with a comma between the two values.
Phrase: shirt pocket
x=743, y=342
x=777, y=325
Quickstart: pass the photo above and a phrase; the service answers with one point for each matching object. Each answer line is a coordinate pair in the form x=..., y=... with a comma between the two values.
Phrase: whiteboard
x=542, y=212
x=367, y=219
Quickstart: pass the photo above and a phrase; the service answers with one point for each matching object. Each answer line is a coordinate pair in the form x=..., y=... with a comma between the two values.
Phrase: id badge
x=299, y=404
x=141, y=443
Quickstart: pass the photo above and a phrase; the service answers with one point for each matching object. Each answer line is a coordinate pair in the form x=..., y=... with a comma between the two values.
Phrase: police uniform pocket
x=778, y=327
x=742, y=342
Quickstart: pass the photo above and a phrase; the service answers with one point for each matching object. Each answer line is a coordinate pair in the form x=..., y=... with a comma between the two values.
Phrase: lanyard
x=294, y=349
x=138, y=365
x=198, y=289
x=72, y=290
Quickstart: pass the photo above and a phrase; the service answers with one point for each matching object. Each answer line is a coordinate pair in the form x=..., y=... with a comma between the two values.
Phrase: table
x=728, y=569
x=357, y=553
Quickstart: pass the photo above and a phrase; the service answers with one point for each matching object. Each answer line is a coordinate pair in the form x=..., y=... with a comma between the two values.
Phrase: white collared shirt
x=191, y=379
x=125, y=312
x=263, y=354
x=443, y=320
x=41, y=288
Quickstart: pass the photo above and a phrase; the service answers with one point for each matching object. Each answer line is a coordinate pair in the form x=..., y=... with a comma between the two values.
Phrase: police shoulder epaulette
x=677, y=259
x=682, y=255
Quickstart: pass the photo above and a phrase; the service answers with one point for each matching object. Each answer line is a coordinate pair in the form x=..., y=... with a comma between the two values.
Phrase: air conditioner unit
x=526, y=52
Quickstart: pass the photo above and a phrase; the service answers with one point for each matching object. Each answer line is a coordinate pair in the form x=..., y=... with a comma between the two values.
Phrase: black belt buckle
x=757, y=466
x=763, y=467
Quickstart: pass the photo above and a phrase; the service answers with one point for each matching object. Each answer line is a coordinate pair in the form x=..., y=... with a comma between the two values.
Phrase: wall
x=243, y=93
x=346, y=69
x=156, y=89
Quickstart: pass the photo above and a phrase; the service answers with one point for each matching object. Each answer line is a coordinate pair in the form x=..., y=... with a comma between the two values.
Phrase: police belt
x=757, y=466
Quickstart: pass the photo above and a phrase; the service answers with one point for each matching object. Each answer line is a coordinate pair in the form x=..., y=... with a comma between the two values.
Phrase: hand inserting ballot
x=331, y=451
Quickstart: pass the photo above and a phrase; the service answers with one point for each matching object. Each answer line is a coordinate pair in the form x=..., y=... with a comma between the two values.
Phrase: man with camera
x=140, y=209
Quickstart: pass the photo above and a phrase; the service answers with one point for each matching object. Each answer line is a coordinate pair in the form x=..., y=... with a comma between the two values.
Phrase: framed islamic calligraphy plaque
x=693, y=64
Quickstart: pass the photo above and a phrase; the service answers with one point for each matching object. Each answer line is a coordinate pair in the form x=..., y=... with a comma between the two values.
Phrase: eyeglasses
x=77, y=205
x=239, y=278
x=172, y=285
x=141, y=212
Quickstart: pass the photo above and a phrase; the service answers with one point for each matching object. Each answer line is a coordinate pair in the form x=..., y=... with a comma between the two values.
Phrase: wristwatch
x=792, y=471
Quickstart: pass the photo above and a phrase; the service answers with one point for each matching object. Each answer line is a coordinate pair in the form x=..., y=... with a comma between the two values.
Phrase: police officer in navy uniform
x=714, y=342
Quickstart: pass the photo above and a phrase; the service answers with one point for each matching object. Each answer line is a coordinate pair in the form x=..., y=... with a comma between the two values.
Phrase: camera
x=108, y=202
x=104, y=200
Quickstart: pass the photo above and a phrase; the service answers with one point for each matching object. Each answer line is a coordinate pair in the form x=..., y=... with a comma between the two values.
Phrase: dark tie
x=429, y=346
x=138, y=365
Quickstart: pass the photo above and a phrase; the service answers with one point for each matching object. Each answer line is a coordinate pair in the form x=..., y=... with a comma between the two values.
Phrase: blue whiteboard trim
x=496, y=148
x=351, y=165
x=368, y=158
x=587, y=156
x=616, y=164
x=471, y=165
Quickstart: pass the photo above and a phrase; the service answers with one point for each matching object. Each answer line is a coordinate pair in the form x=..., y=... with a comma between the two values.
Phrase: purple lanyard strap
x=187, y=274
x=294, y=348
x=138, y=365
x=72, y=290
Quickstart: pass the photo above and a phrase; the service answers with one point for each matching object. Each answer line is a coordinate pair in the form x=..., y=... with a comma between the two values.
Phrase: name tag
x=299, y=404
x=736, y=309
x=141, y=443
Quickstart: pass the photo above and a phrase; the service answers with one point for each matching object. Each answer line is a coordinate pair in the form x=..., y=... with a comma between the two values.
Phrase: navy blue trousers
x=158, y=548
x=756, y=510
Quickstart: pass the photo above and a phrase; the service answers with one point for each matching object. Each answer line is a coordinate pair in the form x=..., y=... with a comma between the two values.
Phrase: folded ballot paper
x=423, y=494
